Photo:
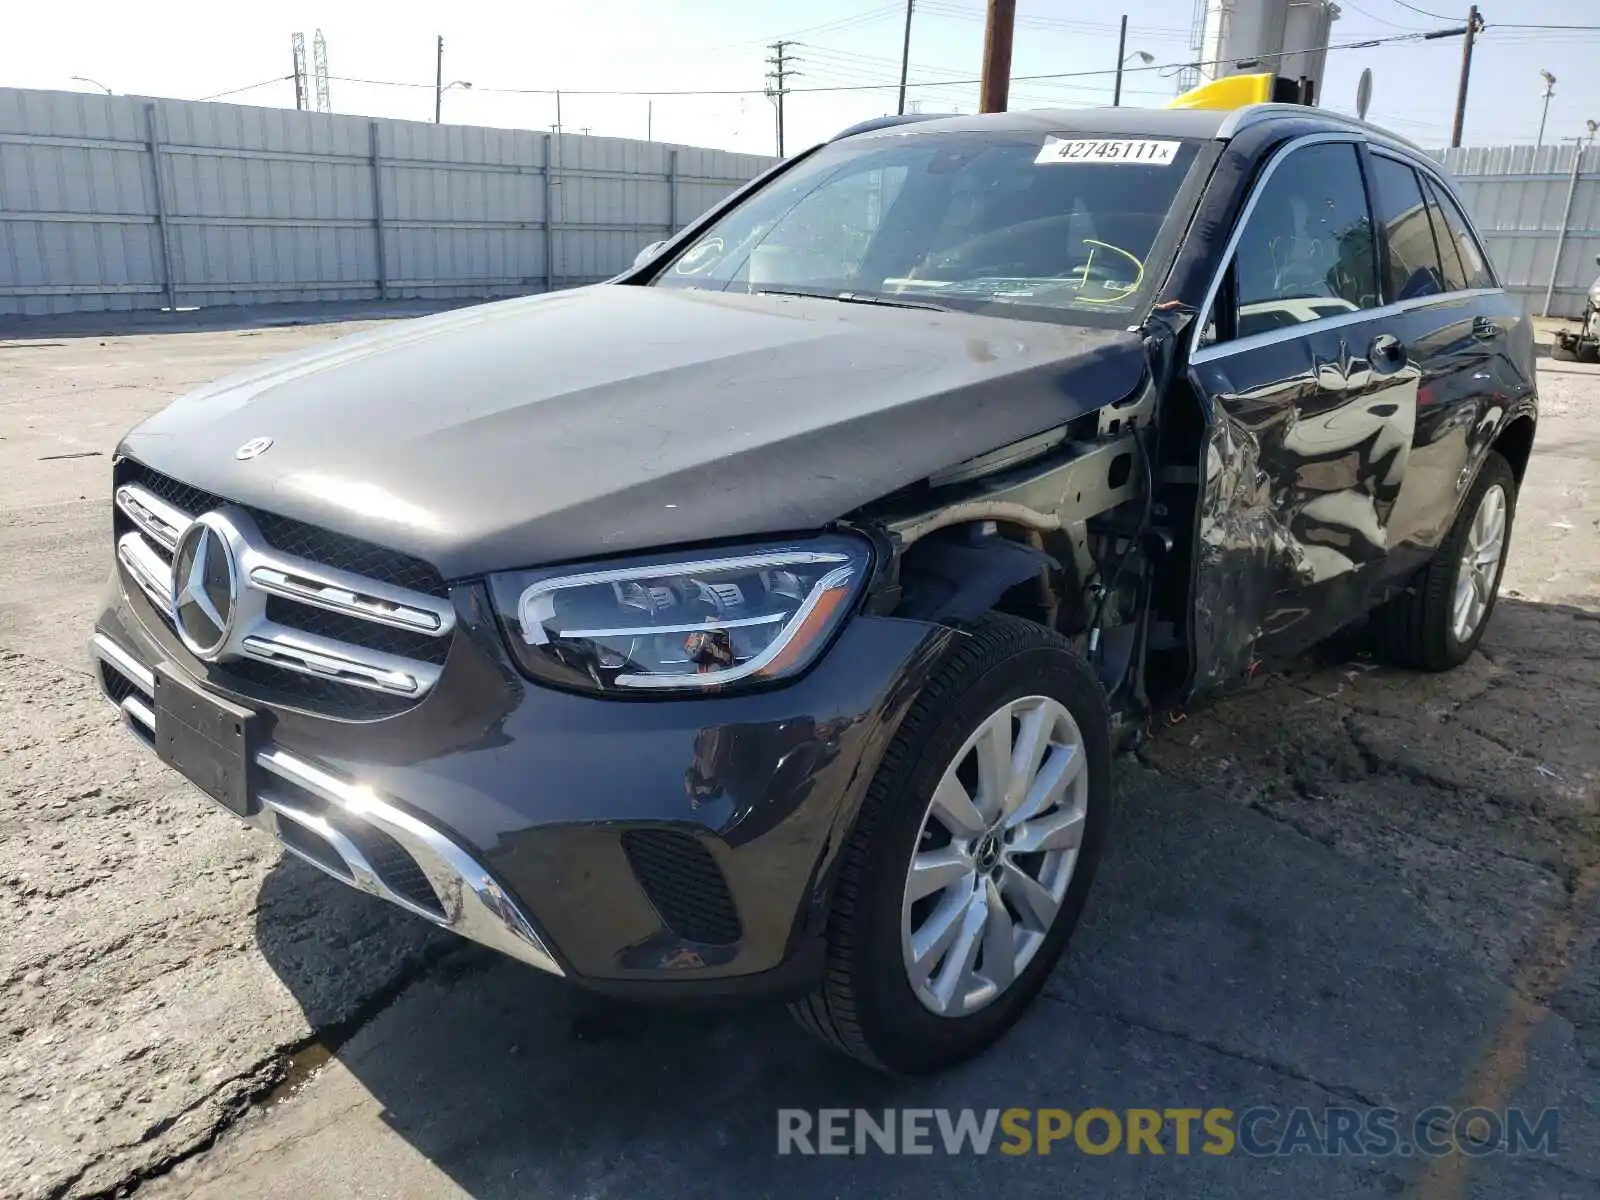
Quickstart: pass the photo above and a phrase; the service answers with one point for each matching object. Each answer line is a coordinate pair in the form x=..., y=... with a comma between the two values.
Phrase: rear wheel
x=972, y=854
x=1441, y=617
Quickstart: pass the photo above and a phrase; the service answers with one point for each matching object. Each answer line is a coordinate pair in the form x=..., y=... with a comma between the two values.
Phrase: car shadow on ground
x=1251, y=941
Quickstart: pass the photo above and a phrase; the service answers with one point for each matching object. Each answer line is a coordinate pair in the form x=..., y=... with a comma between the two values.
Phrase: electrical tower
x=782, y=64
x=319, y=68
x=297, y=42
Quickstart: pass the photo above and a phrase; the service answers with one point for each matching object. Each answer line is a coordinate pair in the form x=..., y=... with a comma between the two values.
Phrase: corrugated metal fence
x=121, y=202
x=1533, y=211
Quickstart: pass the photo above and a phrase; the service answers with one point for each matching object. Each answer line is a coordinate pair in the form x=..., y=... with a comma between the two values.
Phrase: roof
x=1203, y=123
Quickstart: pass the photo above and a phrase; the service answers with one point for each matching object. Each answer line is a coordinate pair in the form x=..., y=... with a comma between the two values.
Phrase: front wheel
x=972, y=855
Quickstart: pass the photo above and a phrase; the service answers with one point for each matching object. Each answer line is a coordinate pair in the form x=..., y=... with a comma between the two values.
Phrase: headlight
x=693, y=623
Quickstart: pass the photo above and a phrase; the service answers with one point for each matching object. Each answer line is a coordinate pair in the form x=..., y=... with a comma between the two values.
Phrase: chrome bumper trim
x=472, y=904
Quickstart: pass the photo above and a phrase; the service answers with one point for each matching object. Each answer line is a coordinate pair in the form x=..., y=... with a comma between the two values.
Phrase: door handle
x=1387, y=352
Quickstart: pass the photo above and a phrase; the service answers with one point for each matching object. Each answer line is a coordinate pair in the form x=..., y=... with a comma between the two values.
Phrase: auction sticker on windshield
x=1107, y=150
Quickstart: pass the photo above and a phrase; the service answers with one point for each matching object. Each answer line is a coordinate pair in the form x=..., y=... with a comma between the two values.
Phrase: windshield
x=1052, y=226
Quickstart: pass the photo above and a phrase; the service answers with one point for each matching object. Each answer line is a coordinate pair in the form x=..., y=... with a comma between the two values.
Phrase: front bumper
x=654, y=847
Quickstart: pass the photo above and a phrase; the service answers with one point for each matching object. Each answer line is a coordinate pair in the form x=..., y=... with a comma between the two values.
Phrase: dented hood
x=614, y=418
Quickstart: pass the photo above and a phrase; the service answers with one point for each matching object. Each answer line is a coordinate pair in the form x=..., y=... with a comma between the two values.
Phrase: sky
x=381, y=58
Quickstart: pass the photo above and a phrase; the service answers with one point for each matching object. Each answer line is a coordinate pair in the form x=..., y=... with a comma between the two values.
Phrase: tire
x=866, y=1005
x=1417, y=628
x=1563, y=351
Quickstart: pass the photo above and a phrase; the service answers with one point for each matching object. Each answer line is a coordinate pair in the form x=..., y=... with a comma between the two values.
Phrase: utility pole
x=905, y=56
x=1549, y=90
x=1474, y=24
x=1566, y=220
x=997, y=30
x=297, y=45
x=1122, y=55
x=438, y=79
x=781, y=72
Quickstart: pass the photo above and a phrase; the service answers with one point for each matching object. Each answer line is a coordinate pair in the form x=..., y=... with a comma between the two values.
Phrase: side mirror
x=648, y=253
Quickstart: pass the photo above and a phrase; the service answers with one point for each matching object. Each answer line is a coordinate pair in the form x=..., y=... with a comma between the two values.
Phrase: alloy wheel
x=1479, y=572
x=995, y=854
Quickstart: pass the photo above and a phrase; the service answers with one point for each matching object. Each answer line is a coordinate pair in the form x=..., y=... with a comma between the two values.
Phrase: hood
x=612, y=418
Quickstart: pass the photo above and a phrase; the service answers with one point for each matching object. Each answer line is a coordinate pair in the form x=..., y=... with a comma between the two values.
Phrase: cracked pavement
x=1340, y=886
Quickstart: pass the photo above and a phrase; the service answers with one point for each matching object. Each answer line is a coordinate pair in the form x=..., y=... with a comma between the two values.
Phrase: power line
x=1159, y=68
x=1354, y=7
x=959, y=12
x=840, y=25
x=249, y=87
x=1423, y=11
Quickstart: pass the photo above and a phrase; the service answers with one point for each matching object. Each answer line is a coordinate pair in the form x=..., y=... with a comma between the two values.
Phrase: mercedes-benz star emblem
x=205, y=589
x=254, y=448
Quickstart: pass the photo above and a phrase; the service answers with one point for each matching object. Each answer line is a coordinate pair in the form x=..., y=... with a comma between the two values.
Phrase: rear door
x=1458, y=325
x=1311, y=397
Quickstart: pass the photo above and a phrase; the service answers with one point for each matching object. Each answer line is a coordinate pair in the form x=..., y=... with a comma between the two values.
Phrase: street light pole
x=1549, y=90
x=1144, y=56
x=438, y=79
x=1122, y=51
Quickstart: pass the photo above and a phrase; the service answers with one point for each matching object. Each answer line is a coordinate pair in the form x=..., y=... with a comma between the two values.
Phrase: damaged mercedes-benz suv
x=762, y=621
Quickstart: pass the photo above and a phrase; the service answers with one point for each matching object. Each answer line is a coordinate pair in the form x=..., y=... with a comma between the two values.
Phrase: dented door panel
x=1307, y=458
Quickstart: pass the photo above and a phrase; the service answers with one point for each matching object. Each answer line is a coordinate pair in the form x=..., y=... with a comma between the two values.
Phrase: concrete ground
x=1346, y=886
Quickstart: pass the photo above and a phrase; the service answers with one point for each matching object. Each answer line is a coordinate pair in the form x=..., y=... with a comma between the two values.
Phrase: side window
x=1308, y=238
x=1455, y=275
x=1413, y=256
x=1474, y=265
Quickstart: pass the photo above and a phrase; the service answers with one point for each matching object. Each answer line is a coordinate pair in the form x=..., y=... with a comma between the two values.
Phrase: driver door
x=1311, y=402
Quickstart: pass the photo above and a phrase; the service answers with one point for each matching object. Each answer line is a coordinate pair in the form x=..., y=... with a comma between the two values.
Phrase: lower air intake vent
x=684, y=883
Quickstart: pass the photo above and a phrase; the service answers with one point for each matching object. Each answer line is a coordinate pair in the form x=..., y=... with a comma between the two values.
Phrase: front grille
x=325, y=622
x=357, y=632
x=349, y=554
x=298, y=538
x=684, y=884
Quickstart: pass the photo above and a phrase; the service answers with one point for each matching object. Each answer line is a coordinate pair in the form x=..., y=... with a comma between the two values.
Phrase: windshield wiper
x=856, y=298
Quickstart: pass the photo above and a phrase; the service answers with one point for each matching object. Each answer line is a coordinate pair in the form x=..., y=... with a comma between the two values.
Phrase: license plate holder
x=208, y=740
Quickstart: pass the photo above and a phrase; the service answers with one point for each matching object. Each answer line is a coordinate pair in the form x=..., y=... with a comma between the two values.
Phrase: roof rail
x=887, y=122
x=1253, y=114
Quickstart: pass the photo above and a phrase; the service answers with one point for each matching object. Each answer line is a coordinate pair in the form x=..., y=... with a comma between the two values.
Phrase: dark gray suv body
x=761, y=622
